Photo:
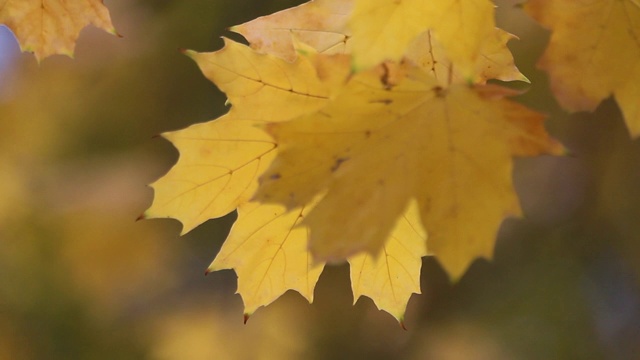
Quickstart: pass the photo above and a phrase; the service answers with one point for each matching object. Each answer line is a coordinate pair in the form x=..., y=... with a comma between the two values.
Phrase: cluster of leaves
x=355, y=126
x=359, y=126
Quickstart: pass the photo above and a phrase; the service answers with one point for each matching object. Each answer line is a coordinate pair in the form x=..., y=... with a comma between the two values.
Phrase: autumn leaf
x=383, y=29
x=594, y=52
x=217, y=171
x=319, y=24
x=376, y=154
x=268, y=252
x=267, y=248
x=220, y=160
x=495, y=60
x=390, y=277
x=52, y=27
x=250, y=79
x=376, y=147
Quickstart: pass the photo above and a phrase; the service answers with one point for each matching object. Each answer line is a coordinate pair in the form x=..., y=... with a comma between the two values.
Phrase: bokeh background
x=81, y=279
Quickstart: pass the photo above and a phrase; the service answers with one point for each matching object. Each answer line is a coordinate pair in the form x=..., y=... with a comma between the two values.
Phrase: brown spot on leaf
x=440, y=91
x=383, y=101
x=338, y=162
x=385, y=76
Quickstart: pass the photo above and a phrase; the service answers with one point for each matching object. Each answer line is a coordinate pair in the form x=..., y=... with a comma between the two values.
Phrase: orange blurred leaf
x=594, y=52
x=52, y=27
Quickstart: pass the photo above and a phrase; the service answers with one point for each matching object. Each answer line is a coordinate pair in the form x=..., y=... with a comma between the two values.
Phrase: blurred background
x=81, y=279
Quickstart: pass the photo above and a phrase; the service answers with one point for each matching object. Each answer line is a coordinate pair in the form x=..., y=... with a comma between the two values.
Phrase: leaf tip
x=115, y=32
x=558, y=149
x=246, y=317
x=188, y=52
x=142, y=216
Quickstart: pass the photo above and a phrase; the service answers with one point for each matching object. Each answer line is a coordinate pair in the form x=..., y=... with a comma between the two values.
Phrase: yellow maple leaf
x=281, y=89
x=268, y=252
x=319, y=24
x=217, y=170
x=220, y=160
x=378, y=145
x=52, y=27
x=383, y=29
x=594, y=52
x=267, y=248
x=494, y=62
x=393, y=275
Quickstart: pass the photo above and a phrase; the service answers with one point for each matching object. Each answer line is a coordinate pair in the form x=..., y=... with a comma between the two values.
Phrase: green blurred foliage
x=80, y=279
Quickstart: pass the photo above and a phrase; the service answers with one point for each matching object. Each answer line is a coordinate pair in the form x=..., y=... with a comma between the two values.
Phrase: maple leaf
x=52, y=27
x=217, y=170
x=220, y=160
x=272, y=83
x=269, y=254
x=594, y=52
x=281, y=89
x=383, y=29
x=376, y=146
x=494, y=62
x=268, y=251
x=319, y=24
x=393, y=275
